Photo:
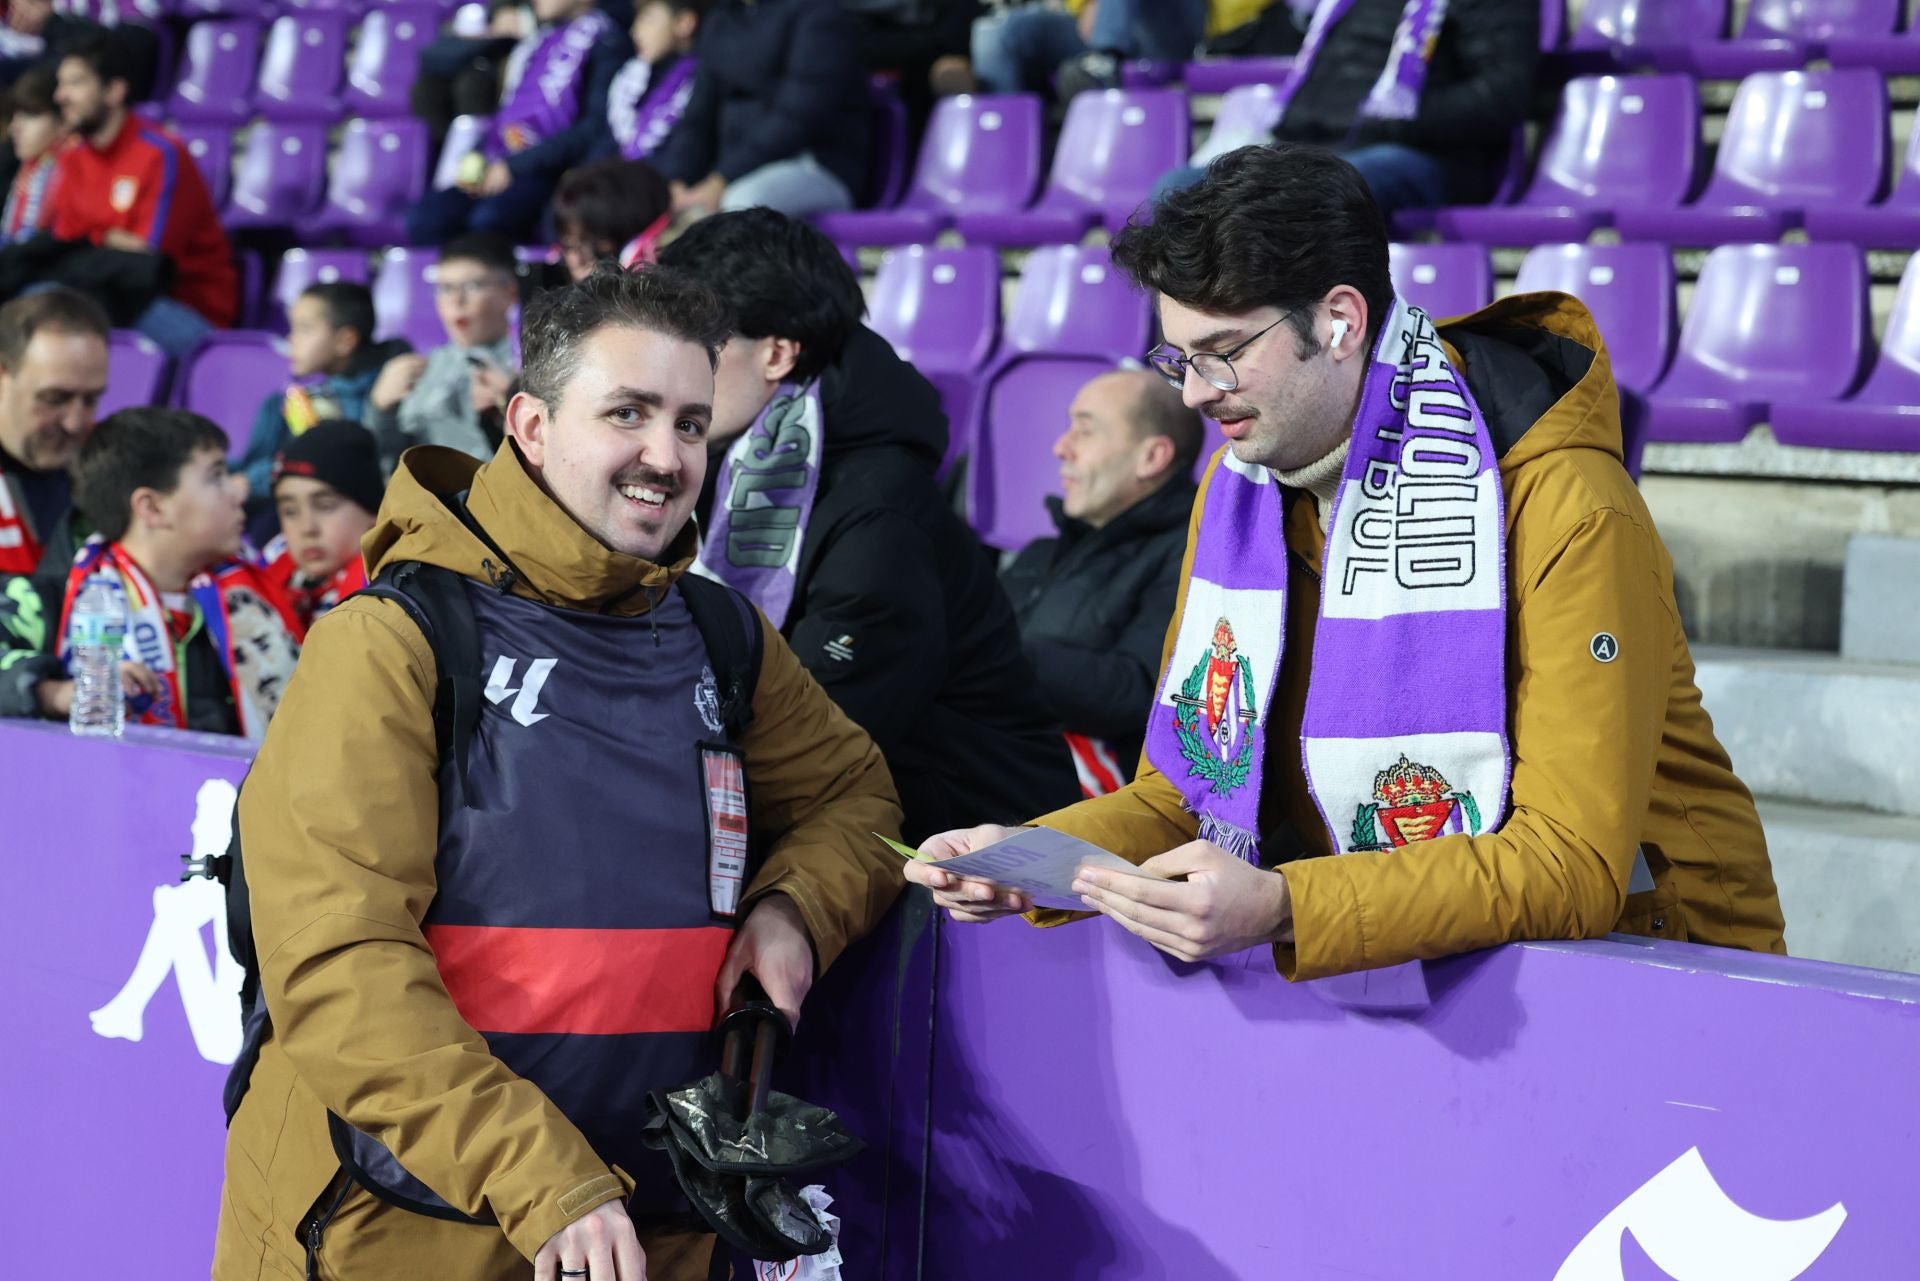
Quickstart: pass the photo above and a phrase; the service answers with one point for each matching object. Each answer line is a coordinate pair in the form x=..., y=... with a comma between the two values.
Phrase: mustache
x=662, y=481
x=1231, y=410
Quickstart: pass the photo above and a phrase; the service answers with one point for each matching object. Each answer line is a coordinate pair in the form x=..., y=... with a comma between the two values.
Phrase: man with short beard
x=53, y=371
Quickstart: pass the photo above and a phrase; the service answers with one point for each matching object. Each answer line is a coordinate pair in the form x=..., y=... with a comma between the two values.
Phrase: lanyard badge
x=723, y=776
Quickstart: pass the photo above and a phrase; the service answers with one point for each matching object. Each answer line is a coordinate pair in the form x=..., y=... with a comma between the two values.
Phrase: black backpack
x=436, y=600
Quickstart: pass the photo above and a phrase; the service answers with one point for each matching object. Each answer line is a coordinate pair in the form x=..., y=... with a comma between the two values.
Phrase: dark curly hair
x=559, y=321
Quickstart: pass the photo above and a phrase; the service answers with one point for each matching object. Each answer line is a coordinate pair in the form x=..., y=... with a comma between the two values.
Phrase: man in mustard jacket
x=475, y=974
x=1427, y=689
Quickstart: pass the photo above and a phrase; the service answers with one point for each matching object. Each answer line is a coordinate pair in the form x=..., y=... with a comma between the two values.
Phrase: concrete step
x=1880, y=600
x=1817, y=728
x=1849, y=883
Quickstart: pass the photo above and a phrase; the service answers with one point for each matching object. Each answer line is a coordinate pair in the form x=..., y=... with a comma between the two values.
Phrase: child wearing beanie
x=327, y=487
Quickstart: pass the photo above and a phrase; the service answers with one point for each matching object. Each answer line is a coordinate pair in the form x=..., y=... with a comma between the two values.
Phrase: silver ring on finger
x=573, y=1272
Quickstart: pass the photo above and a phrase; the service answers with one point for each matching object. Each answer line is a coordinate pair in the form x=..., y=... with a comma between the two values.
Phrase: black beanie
x=336, y=453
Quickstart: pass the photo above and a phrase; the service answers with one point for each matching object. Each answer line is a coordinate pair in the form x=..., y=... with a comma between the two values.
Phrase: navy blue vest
x=572, y=923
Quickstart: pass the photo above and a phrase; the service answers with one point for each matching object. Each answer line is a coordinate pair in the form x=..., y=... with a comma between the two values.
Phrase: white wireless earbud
x=1339, y=332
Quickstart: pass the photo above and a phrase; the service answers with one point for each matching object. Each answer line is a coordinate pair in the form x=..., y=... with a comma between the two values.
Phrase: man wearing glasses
x=1426, y=689
x=453, y=396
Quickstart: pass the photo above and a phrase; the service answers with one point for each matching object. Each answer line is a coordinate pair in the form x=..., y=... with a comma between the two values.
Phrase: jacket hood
x=871, y=397
x=1539, y=372
x=549, y=557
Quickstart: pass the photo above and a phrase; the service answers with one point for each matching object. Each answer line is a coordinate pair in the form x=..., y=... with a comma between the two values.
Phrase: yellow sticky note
x=904, y=851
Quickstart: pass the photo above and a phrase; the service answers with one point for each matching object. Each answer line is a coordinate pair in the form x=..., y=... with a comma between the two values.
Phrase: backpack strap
x=731, y=631
x=435, y=599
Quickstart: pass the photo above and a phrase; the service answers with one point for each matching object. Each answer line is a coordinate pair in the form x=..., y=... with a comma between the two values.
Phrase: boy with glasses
x=453, y=395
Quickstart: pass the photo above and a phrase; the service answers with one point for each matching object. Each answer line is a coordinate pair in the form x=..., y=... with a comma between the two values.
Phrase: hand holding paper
x=983, y=873
x=1195, y=902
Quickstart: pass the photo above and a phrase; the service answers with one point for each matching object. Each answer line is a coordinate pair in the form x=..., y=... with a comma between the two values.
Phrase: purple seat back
x=281, y=176
x=403, y=299
x=892, y=149
x=1116, y=144
x=463, y=138
x=300, y=72
x=211, y=147
x=1072, y=301
x=1798, y=138
x=302, y=267
x=981, y=152
x=217, y=72
x=381, y=71
x=1013, y=471
x=1895, y=379
x=1622, y=142
x=940, y=308
x=1629, y=288
x=379, y=168
x=1773, y=322
x=136, y=373
x=1553, y=23
x=1442, y=280
x=227, y=378
x=1818, y=20
x=1650, y=23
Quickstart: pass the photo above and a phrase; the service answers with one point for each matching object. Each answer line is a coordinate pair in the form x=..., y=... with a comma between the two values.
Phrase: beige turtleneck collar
x=1321, y=478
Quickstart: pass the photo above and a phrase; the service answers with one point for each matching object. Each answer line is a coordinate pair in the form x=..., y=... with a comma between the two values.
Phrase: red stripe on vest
x=591, y=982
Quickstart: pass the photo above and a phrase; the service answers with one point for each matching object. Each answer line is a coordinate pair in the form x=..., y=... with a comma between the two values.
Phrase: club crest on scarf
x=1219, y=694
x=1412, y=802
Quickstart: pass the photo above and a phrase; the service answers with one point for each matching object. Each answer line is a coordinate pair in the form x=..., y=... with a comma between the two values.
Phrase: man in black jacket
x=1094, y=603
x=779, y=114
x=825, y=513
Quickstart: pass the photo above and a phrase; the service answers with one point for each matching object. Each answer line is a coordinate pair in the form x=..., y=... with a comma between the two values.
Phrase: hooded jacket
x=340, y=817
x=1094, y=606
x=1608, y=757
x=898, y=614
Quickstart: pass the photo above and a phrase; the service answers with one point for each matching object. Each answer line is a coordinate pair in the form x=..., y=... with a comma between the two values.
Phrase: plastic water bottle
x=99, y=627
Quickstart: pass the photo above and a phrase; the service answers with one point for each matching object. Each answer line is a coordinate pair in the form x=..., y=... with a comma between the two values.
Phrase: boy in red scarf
x=211, y=641
x=327, y=487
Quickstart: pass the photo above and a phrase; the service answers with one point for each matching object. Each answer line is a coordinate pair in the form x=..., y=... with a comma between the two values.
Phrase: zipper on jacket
x=314, y=1229
x=501, y=579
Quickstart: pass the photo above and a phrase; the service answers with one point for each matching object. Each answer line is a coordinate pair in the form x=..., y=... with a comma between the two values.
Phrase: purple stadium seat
x=1148, y=73
x=1114, y=146
x=192, y=10
x=1442, y=280
x=1222, y=75
x=1012, y=473
x=300, y=71
x=216, y=77
x=378, y=170
x=1553, y=24
x=940, y=308
x=302, y=267
x=1892, y=224
x=227, y=378
x=981, y=154
x=403, y=299
x=1636, y=29
x=136, y=373
x=463, y=137
x=1768, y=323
x=892, y=146
x=1072, y=301
x=380, y=73
x=1815, y=22
x=281, y=177
x=1885, y=412
x=1895, y=55
x=1630, y=291
x=1615, y=142
x=1794, y=140
x=211, y=147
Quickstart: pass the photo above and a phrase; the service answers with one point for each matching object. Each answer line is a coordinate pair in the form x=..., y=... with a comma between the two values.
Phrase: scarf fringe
x=1231, y=837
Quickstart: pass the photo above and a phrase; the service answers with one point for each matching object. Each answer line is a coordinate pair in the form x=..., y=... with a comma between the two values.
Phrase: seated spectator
x=1425, y=125
x=333, y=362
x=553, y=116
x=37, y=131
x=1095, y=602
x=779, y=115
x=53, y=371
x=906, y=39
x=211, y=642
x=651, y=92
x=327, y=485
x=32, y=34
x=125, y=183
x=453, y=395
x=825, y=513
x=1020, y=48
x=616, y=210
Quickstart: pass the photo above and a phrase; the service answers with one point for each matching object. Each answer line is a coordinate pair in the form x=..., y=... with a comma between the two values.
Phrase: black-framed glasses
x=1214, y=366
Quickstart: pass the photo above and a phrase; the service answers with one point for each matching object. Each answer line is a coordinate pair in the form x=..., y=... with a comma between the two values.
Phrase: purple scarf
x=642, y=111
x=1405, y=734
x=764, y=500
x=1396, y=94
x=542, y=92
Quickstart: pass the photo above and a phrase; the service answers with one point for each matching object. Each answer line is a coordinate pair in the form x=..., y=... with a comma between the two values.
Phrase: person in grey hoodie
x=453, y=395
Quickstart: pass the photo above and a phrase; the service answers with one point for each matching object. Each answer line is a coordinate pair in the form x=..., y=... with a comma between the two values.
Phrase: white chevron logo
x=1693, y=1231
x=524, y=697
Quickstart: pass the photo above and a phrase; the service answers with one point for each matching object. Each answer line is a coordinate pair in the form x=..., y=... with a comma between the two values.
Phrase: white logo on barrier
x=528, y=694
x=1693, y=1231
x=209, y=989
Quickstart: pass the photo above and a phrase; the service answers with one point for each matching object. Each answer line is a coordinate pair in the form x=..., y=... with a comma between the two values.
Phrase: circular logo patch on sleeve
x=1603, y=647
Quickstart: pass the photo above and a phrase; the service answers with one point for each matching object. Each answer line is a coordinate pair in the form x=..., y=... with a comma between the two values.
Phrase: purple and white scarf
x=1405, y=734
x=764, y=500
x=1396, y=94
x=642, y=111
x=541, y=95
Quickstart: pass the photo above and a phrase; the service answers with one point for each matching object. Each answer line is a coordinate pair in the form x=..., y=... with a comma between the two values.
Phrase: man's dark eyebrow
x=1217, y=339
x=696, y=410
x=633, y=395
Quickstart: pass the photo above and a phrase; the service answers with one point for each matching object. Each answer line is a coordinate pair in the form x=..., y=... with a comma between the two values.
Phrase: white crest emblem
x=706, y=700
x=122, y=194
